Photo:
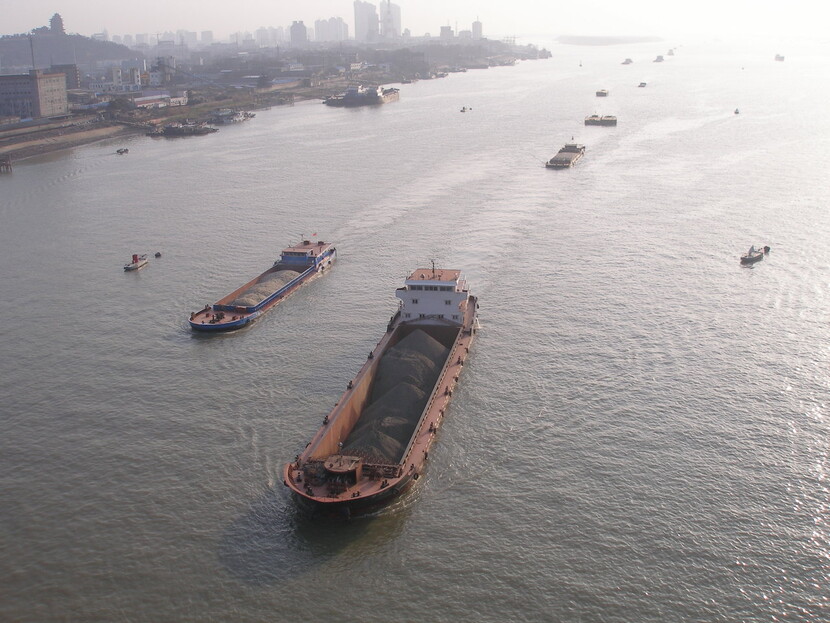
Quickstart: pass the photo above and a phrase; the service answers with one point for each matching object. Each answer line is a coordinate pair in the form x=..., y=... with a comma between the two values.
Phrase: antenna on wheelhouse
x=433, y=269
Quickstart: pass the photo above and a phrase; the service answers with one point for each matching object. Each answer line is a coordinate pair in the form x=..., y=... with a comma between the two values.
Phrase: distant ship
x=627, y=61
x=374, y=444
x=602, y=93
x=659, y=59
x=566, y=157
x=296, y=265
x=363, y=96
x=597, y=120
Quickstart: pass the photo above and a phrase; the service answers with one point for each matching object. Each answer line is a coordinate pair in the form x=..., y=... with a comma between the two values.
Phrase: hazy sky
x=499, y=17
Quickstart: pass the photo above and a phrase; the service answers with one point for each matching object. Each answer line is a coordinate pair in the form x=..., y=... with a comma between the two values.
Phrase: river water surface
x=641, y=433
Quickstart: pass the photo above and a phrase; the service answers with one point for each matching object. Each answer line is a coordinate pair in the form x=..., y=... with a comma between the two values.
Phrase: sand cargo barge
x=297, y=265
x=375, y=442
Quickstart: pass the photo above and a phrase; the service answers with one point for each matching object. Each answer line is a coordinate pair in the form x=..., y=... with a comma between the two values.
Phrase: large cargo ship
x=296, y=265
x=374, y=444
x=363, y=96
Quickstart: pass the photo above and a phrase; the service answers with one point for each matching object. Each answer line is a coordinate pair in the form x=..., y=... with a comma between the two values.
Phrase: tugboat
x=374, y=444
x=138, y=262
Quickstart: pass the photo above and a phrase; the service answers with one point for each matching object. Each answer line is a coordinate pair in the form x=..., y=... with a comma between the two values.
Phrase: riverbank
x=22, y=146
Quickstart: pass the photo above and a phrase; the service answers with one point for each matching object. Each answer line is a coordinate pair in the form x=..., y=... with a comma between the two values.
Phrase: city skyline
x=520, y=18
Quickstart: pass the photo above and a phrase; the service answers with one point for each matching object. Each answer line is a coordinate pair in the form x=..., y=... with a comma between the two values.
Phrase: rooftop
x=438, y=274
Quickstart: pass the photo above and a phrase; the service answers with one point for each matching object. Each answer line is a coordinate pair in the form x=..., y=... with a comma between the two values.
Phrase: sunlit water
x=641, y=433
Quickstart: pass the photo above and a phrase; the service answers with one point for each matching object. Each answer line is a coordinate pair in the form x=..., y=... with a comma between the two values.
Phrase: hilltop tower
x=56, y=25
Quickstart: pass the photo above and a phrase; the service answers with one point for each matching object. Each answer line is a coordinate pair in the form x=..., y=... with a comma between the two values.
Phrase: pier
x=5, y=164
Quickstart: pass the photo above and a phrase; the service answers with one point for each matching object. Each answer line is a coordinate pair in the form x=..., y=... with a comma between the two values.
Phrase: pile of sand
x=264, y=288
x=402, y=385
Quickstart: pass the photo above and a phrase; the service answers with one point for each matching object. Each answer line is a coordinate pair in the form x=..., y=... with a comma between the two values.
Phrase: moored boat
x=374, y=444
x=137, y=263
x=602, y=93
x=641, y=85
x=566, y=157
x=754, y=255
x=296, y=265
x=363, y=96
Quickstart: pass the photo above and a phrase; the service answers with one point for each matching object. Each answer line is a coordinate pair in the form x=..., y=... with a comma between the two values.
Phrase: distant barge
x=363, y=96
x=597, y=120
x=296, y=265
x=183, y=129
x=566, y=157
x=374, y=444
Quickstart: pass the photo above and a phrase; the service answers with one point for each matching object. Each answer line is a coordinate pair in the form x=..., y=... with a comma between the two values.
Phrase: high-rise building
x=447, y=33
x=477, y=30
x=299, y=34
x=390, y=20
x=128, y=40
x=332, y=29
x=263, y=38
x=365, y=21
x=207, y=37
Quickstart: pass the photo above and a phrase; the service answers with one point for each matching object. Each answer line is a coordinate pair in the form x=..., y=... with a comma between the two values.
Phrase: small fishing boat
x=138, y=262
x=754, y=255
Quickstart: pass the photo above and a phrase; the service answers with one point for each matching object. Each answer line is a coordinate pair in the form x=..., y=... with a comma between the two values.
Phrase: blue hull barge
x=297, y=265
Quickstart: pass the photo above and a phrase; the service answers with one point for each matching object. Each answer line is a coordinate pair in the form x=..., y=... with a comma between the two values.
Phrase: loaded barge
x=374, y=444
x=296, y=265
x=566, y=157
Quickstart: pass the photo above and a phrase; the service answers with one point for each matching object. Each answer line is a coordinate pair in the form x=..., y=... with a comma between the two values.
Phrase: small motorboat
x=158, y=254
x=139, y=262
x=737, y=112
x=754, y=255
x=122, y=151
x=641, y=85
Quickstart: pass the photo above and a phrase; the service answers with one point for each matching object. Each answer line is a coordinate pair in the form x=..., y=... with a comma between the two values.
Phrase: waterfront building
x=72, y=73
x=366, y=24
x=36, y=94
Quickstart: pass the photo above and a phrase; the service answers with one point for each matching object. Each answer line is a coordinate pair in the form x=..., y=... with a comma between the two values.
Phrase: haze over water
x=641, y=433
